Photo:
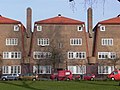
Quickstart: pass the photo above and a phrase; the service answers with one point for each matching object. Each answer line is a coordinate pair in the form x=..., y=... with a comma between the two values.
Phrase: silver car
x=10, y=77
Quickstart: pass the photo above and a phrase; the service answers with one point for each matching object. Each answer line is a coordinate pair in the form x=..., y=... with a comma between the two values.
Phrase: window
x=81, y=69
x=105, y=69
x=79, y=28
x=11, y=55
x=70, y=55
x=80, y=55
x=39, y=28
x=112, y=55
x=76, y=55
x=16, y=27
x=5, y=69
x=15, y=69
x=107, y=42
x=11, y=41
x=102, y=28
x=106, y=55
x=41, y=55
x=42, y=69
x=43, y=41
x=76, y=41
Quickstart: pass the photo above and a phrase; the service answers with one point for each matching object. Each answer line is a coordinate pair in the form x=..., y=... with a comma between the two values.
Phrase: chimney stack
x=29, y=21
x=90, y=22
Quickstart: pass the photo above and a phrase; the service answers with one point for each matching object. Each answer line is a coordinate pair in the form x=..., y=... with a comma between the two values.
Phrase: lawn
x=59, y=85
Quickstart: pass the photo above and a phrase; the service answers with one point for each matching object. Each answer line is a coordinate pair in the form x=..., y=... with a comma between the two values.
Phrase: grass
x=59, y=85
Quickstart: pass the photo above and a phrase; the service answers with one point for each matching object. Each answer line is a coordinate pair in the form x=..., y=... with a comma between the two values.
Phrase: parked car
x=10, y=77
x=28, y=76
x=62, y=75
x=87, y=76
x=115, y=75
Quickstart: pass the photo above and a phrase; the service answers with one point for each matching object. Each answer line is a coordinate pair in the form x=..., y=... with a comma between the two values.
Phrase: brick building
x=12, y=46
x=106, y=45
x=59, y=43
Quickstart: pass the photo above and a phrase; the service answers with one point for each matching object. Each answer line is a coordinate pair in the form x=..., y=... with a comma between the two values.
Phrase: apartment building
x=59, y=43
x=12, y=46
x=106, y=46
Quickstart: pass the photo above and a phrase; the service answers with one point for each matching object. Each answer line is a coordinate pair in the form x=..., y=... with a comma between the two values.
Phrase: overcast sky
x=43, y=9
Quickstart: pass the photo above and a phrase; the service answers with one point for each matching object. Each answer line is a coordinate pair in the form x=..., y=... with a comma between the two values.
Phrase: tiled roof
x=115, y=20
x=4, y=20
x=59, y=20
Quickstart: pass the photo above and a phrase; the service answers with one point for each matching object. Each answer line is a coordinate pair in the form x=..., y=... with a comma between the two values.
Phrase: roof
x=4, y=20
x=115, y=20
x=59, y=20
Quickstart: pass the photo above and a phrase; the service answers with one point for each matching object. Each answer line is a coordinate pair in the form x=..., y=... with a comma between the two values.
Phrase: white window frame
x=79, y=69
x=102, y=28
x=107, y=42
x=105, y=69
x=42, y=69
x=79, y=28
x=39, y=28
x=41, y=55
x=16, y=28
x=106, y=55
x=12, y=41
x=71, y=55
x=12, y=55
x=76, y=41
x=76, y=55
x=14, y=69
x=43, y=41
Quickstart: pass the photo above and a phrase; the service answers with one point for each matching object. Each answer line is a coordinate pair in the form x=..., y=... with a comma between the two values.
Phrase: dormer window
x=16, y=27
x=79, y=28
x=39, y=28
x=102, y=28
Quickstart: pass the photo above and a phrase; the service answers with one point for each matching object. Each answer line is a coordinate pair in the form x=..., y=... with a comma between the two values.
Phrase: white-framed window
x=80, y=69
x=14, y=69
x=42, y=69
x=79, y=28
x=70, y=55
x=76, y=41
x=43, y=41
x=41, y=55
x=16, y=27
x=39, y=28
x=105, y=69
x=12, y=55
x=106, y=55
x=102, y=28
x=76, y=55
x=11, y=41
x=5, y=69
x=107, y=41
x=80, y=55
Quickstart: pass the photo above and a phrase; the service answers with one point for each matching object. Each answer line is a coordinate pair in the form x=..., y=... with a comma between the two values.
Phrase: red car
x=85, y=77
x=115, y=75
x=62, y=75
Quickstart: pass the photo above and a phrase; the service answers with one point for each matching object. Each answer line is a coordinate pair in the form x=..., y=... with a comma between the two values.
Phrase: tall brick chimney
x=29, y=21
x=89, y=21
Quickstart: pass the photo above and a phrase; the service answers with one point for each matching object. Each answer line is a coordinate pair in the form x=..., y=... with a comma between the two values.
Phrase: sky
x=43, y=9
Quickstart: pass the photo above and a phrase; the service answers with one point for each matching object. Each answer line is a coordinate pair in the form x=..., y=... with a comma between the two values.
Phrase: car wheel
x=34, y=79
x=92, y=79
x=4, y=79
x=112, y=78
x=68, y=79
